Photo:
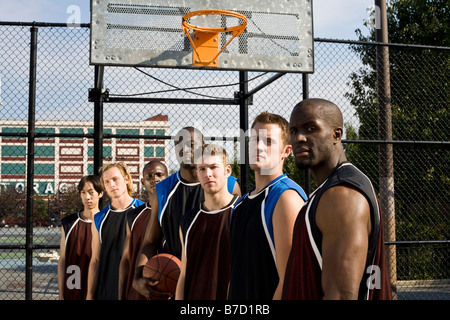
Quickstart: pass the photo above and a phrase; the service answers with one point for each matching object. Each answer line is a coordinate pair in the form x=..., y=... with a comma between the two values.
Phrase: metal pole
x=265, y=84
x=98, y=119
x=30, y=167
x=243, y=119
x=386, y=164
x=305, y=93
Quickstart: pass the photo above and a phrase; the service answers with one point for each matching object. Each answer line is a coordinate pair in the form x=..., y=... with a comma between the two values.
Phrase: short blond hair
x=213, y=150
x=123, y=170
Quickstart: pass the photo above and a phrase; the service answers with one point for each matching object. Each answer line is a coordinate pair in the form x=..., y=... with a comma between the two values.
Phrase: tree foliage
x=420, y=96
x=419, y=81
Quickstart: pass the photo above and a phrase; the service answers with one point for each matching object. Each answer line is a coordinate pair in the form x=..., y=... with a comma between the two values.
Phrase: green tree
x=419, y=100
x=291, y=170
x=420, y=94
x=40, y=210
x=12, y=204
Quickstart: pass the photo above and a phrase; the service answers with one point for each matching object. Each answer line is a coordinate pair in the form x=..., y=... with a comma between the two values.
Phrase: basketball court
x=178, y=47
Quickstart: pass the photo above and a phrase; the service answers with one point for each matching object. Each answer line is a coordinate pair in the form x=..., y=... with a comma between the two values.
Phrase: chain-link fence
x=143, y=108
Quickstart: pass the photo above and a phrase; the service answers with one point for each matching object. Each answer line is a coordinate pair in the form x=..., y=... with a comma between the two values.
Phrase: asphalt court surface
x=45, y=281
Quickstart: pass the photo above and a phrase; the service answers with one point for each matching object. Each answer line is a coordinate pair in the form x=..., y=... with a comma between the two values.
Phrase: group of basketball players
x=274, y=242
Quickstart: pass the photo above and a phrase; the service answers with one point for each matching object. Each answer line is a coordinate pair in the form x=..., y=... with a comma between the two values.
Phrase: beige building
x=61, y=162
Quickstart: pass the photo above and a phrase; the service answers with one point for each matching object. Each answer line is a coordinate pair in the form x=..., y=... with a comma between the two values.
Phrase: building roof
x=158, y=117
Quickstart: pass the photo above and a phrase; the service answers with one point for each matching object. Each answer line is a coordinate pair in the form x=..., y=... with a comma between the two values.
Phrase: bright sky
x=335, y=19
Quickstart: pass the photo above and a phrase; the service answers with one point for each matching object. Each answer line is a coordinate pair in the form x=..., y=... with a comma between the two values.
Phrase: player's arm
x=93, y=264
x=283, y=220
x=149, y=247
x=343, y=217
x=124, y=266
x=179, y=294
x=62, y=264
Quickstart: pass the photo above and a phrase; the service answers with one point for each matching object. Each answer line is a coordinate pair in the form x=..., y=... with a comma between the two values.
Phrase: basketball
x=164, y=268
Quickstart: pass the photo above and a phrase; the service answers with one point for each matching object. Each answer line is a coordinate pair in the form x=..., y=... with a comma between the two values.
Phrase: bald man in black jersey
x=338, y=246
x=174, y=196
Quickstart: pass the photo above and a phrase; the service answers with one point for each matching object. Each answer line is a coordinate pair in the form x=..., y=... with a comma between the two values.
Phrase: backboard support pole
x=99, y=95
x=243, y=121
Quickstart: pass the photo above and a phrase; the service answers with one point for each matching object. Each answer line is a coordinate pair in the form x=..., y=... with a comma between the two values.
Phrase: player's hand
x=146, y=288
x=155, y=294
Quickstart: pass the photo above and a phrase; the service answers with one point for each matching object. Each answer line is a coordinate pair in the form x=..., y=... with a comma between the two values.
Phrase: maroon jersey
x=206, y=237
x=137, y=221
x=304, y=268
x=78, y=238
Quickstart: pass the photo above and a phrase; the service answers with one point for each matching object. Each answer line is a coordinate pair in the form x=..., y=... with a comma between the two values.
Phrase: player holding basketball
x=174, y=196
x=75, y=246
x=204, y=232
x=262, y=220
x=108, y=234
x=337, y=248
x=137, y=221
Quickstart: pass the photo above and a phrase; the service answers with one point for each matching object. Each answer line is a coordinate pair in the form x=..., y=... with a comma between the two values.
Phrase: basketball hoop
x=206, y=40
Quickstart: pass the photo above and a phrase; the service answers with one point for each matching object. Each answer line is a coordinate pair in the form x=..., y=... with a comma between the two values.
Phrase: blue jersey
x=254, y=273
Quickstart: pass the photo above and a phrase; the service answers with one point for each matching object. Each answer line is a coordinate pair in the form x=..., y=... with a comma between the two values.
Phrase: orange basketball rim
x=205, y=42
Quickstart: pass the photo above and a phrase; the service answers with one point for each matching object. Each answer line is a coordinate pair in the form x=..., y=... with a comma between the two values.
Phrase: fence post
x=98, y=97
x=243, y=120
x=386, y=164
x=30, y=167
x=305, y=95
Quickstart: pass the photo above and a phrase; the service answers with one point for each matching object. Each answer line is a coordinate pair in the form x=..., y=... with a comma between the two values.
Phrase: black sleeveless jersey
x=111, y=225
x=254, y=274
x=175, y=197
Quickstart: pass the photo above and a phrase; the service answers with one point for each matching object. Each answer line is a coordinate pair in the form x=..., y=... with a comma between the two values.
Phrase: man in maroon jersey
x=205, y=232
x=75, y=246
x=338, y=246
x=137, y=221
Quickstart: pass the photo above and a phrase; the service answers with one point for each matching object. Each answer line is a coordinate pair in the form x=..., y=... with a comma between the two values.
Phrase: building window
x=160, y=152
x=134, y=132
x=44, y=151
x=105, y=131
x=71, y=131
x=156, y=132
x=149, y=132
x=47, y=131
x=13, y=168
x=90, y=168
x=14, y=130
x=106, y=151
x=149, y=152
x=44, y=168
x=14, y=151
x=154, y=152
